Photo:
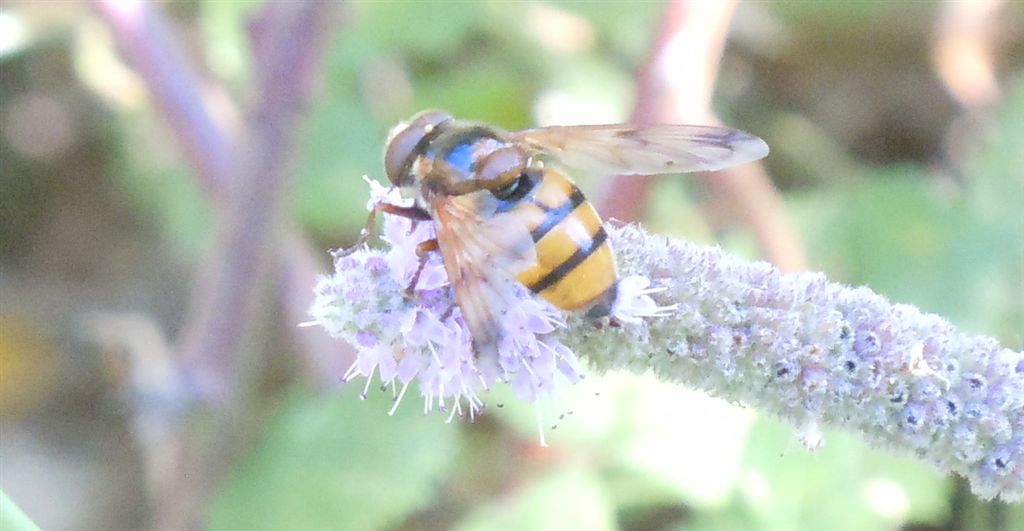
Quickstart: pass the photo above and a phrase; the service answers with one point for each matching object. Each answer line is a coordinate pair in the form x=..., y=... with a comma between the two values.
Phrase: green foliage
x=224, y=28
x=862, y=11
x=427, y=29
x=12, y=518
x=160, y=184
x=567, y=497
x=950, y=248
x=334, y=462
x=342, y=143
x=844, y=485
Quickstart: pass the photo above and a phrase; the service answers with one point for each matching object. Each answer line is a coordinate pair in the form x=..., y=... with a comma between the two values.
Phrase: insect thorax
x=450, y=154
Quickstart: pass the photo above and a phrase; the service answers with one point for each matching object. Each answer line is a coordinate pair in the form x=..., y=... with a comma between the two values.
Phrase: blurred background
x=173, y=174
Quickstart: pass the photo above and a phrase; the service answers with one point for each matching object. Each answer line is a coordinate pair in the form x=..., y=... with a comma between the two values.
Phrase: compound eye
x=404, y=141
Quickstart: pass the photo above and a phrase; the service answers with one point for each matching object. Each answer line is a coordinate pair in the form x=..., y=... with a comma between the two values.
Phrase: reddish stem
x=675, y=86
x=250, y=187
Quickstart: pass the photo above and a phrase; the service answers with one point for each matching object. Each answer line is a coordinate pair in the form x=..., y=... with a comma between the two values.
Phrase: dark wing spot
x=632, y=135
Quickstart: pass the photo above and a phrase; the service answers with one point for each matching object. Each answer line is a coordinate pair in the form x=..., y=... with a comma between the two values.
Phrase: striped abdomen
x=575, y=267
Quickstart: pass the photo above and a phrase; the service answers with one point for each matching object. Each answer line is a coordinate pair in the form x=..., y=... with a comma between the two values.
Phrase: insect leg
x=422, y=252
x=412, y=212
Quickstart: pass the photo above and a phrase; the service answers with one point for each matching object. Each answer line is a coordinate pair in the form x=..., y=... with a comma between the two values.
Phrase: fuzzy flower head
x=421, y=335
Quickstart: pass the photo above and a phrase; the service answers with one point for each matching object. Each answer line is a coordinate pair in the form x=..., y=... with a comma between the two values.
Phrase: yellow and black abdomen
x=575, y=267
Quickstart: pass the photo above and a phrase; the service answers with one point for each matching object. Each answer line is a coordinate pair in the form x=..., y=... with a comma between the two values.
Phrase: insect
x=506, y=212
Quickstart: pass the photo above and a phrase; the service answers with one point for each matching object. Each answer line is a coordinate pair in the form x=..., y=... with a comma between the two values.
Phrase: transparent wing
x=633, y=150
x=482, y=253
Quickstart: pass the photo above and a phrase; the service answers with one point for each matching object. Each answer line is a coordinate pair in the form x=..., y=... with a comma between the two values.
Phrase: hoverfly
x=505, y=212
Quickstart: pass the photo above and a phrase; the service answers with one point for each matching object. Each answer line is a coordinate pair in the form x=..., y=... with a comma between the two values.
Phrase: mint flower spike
x=822, y=354
x=815, y=353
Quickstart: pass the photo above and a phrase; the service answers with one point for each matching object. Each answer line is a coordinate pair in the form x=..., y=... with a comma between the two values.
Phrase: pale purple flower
x=423, y=337
x=816, y=353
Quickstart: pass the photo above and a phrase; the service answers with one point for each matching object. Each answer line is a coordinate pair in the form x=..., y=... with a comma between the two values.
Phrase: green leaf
x=918, y=240
x=479, y=91
x=225, y=26
x=569, y=497
x=151, y=172
x=785, y=486
x=638, y=427
x=625, y=29
x=341, y=143
x=821, y=16
x=335, y=462
x=428, y=28
x=12, y=518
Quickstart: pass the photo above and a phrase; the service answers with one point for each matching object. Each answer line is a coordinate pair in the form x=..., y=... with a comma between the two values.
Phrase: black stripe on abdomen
x=574, y=260
x=554, y=216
